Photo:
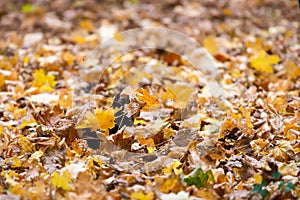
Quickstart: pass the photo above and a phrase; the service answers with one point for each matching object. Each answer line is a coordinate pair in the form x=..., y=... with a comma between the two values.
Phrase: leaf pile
x=254, y=155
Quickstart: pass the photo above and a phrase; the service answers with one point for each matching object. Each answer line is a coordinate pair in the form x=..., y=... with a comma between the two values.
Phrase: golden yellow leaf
x=248, y=119
x=181, y=94
x=27, y=121
x=292, y=70
x=227, y=11
x=145, y=96
x=174, y=167
x=149, y=142
x=139, y=121
x=119, y=37
x=94, y=161
x=79, y=39
x=1, y=129
x=42, y=81
x=26, y=60
x=19, y=113
x=86, y=25
x=105, y=118
x=258, y=178
x=142, y=196
x=210, y=45
x=168, y=185
x=2, y=80
x=68, y=58
x=255, y=46
x=262, y=62
x=90, y=122
x=62, y=181
x=26, y=144
x=16, y=162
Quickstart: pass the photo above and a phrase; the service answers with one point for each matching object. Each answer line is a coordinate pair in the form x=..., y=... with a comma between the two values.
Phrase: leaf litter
x=46, y=155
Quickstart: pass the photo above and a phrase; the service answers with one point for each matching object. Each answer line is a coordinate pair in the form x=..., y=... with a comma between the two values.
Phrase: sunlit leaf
x=169, y=185
x=210, y=44
x=142, y=196
x=43, y=81
x=175, y=166
x=263, y=62
x=62, y=181
x=2, y=80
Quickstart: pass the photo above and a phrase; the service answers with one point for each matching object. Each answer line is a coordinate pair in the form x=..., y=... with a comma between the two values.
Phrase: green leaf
x=199, y=178
x=264, y=183
x=281, y=185
x=257, y=188
x=264, y=193
x=276, y=175
x=27, y=8
x=289, y=186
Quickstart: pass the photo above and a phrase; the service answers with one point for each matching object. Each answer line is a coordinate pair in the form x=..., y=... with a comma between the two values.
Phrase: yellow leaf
x=179, y=93
x=248, y=119
x=2, y=80
x=16, y=162
x=142, y=196
x=86, y=25
x=27, y=121
x=26, y=60
x=62, y=181
x=174, y=167
x=90, y=122
x=145, y=96
x=106, y=118
x=149, y=142
x=79, y=39
x=255, y=46
x=94, y=161
x=168, y=185
x=26, y=144
x=262, y=62
x=227, y=11
x=68, y=58
x=19, y=113
x=292, y=70
x=258, y=178
x=119, y=37
x=43, y=81
x=139, y=121
x=1, y=129
x=210, y=45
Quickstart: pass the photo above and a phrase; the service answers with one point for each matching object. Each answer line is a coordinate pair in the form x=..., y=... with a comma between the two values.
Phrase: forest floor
x=249, y=151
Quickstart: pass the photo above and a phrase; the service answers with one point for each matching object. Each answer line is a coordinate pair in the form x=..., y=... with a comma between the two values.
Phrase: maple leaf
x=262, y=62
x=145, y=96
x=43, y=81
x=102, y=119
x=106, y=118
x=62, y=181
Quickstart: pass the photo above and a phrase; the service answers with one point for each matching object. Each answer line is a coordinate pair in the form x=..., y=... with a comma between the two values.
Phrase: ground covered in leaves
x=254, y=153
